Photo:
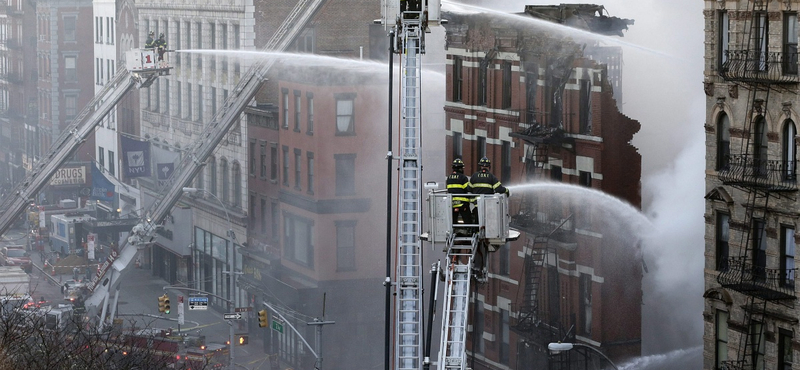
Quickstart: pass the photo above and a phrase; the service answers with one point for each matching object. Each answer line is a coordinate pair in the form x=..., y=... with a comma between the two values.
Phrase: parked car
x=15, y=256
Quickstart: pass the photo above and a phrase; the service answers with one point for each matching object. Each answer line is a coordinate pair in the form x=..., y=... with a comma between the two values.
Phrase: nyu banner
x=135, y=157
x=102, y=189
x=165, y=166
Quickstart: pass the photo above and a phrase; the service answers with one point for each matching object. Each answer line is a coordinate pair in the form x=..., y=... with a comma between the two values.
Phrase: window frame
x=345, y=254
x=723, y=142
x=350, y=130
x=722, y=240
x=788, y=253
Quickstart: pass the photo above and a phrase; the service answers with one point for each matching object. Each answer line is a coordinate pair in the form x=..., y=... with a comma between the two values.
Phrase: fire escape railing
x=756, y=66
x=772, y=175
x=758, y=281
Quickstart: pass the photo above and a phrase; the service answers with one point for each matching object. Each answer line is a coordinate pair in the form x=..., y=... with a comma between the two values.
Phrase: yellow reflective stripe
x=496, y=185
x=480, y=185
x=457, y=186
x=461, y=199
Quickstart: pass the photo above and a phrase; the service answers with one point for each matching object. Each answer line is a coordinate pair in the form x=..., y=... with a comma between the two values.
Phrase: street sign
x=242, y=309
x=277, y=326
x=198, y=303
x=232, y=316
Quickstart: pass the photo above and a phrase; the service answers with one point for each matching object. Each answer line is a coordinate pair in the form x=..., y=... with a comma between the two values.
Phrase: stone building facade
x=751, y=85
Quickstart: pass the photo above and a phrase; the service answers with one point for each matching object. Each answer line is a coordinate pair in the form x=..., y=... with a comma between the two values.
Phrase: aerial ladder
x=412, y=19
x=141, y=70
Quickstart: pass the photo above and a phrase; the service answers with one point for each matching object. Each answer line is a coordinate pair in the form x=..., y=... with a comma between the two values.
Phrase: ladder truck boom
x=71, y=139
x=109, y=277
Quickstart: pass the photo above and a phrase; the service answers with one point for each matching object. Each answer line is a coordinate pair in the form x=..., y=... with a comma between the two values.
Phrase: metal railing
x=757, y=281
x=756, y=66
x=774, y=175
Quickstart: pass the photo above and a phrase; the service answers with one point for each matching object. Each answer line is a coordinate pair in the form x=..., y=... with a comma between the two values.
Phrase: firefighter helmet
x=152, y=33
x=161, y=35
x=458, y=164
x=485, y=162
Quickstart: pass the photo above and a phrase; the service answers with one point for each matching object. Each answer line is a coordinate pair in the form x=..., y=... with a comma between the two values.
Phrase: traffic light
x=162, y=303
x=166, y=304
x=242, y=340
x=262, y=319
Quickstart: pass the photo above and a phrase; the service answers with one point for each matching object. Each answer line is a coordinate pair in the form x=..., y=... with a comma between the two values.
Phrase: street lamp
x=559, y=347
x=231, y=267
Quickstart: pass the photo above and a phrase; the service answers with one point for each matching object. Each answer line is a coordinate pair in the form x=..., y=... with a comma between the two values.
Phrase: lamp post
x=559, y=347
x=231, y=268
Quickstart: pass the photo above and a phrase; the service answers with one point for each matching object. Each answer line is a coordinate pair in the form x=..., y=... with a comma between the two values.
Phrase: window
x=585, y=179
x=262, y=155
x=761, y=39
x=505, y=162
x=298, y=167
x=263, y=216
x=585, y=114
x=273, y=169
x=345, y=245
x=458, y=78
x=479, y=327
x=785, y=351
x=199, y=33
x=296, y=111
x=585, y=287
x=69, y=27
x=276, y=221
x=285, y=165
x=223, y=30
x=789, y=151
x=98, y=29
x=483, y=69
x=200, y=104
x=506, y=66
x=297, y=239
x=504, y=337
x=790, y=43
x=787, y=256
x=70, y=106
x=723, y=235
x=310, y=159
x=101, y=157
x=345, y=174
x=723, y=142
x=481, y=146
x=237, y=184
x=310, y=107
x=253, y=158
x=344, y=114
x=760, y=148
x=721, y=335
x=212, y=33
x=757, y=345
x=236, y=44
x=285, y=109
x=555, y=173
x=223, y=169
x=112, y=168
x=724, y=38
x=212, y=175
x=70, y=68
x=457, y=145
x=759, y=250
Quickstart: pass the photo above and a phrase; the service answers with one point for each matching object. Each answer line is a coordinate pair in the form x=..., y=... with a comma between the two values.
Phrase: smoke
x=663, y=91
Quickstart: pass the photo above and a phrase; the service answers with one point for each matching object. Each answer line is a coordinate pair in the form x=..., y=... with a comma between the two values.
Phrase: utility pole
x=318, y=335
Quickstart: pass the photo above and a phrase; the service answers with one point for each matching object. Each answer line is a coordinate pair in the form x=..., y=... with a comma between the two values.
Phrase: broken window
x=483, y=69
x=723, y=142
x=585, y=117
x=506, y=85
x=457, y=78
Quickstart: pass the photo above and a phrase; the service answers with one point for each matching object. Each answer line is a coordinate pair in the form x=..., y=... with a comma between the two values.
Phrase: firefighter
x=484, y=182
x=458, y=184
x=161, y=44
x=150, y=43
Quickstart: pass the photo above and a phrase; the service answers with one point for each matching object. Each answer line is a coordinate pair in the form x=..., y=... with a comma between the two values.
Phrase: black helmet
x=161, y=35
x=152, y=33
x=458, y=164
x=485, y=162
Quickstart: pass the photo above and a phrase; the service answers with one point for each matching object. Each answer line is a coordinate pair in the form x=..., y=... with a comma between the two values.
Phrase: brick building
x=542, y=110
x=751, y=85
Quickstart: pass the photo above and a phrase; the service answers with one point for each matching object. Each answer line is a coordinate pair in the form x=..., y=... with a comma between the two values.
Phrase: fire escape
x=760, y=72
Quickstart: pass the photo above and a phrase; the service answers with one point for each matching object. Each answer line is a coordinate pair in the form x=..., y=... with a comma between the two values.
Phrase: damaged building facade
x=537, y=104
x=751, y=83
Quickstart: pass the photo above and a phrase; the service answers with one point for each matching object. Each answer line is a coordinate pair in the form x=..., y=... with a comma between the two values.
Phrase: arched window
x=212, y=175
x=789, y=150
x=237, y=184
x=723, y=142
x=760, y=148
x=226, y=185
